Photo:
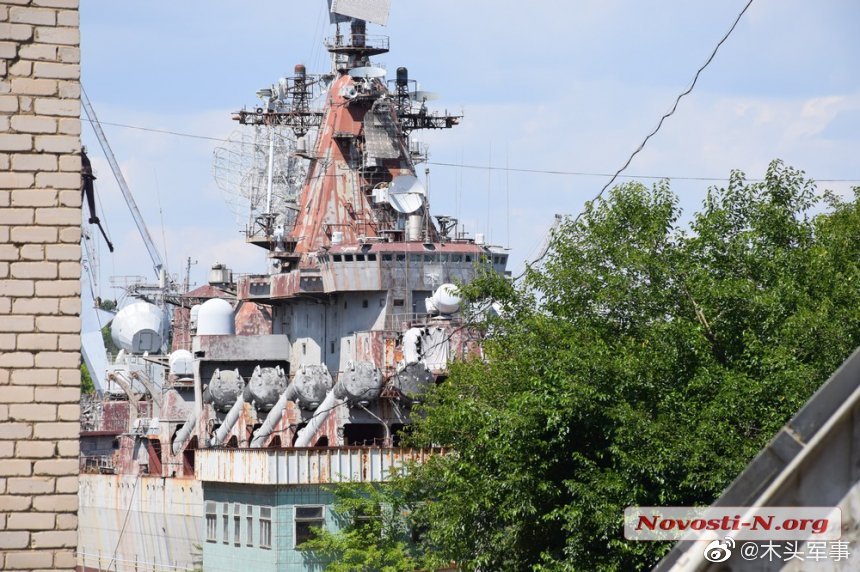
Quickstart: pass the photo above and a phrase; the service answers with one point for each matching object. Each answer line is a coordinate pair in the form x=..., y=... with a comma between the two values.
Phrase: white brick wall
x=39, y=288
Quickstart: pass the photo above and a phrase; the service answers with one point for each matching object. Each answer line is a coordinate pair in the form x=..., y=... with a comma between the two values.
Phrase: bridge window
x=265, y=527
x=306, y=519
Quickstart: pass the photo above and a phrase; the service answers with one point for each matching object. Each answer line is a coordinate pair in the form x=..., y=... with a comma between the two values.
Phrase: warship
x=214, y=446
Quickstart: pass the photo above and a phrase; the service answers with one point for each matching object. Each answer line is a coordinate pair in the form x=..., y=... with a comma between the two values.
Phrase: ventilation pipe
x=185, y=433
x=273, y=417
x=229, y=422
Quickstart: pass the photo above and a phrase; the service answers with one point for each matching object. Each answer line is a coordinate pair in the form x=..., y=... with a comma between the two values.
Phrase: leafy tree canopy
x=643, y=364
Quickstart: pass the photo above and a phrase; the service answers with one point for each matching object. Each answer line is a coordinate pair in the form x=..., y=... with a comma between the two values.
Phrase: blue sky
x=554, y=85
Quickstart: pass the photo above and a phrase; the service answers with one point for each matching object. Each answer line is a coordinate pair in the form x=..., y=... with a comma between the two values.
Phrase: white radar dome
x=215, y=318
x=137, y=328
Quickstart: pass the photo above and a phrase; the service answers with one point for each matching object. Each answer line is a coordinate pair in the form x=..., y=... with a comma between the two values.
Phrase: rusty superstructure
x=329, y=349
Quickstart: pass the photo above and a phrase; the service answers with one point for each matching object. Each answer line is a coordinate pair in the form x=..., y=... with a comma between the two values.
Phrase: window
x=401, y=257
x=211, y=522
x=371, y=258
x=347, y=257
x=237, y=525
x=226, y=519
x=428, y=258
x=249, y=511
x=265, y=527
x=335, y=257
x=414, y=258
x=307, y=518
x=444, y=258
x=468, y=258
x=398, y=302
x=456, y=258
x=359, y=258
x=387, y=258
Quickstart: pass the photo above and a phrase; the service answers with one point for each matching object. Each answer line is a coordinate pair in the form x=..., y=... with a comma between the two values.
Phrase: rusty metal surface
x=305, y=466
x=148, y=520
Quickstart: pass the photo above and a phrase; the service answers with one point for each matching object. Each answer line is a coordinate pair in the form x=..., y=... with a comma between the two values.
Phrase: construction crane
x=157, y=262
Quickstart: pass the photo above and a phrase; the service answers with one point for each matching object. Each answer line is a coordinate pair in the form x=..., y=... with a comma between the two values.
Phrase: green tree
x=643, y=364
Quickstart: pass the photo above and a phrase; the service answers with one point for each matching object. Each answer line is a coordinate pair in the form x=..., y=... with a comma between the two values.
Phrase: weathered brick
x=57, y=395
x=14, y=539
x=8, y=50
x=57, y=70
x=16, y=395
x=56, y=3
x=67, y=521
x=71, y=234
x=32, y=411
x=31, y=486
x=70, y=377
x=16, y=323
x=30, y=560
x=67, y=485
x=4, y=416
x=22, y=360
x=16, y=468
x=13, y=180
x=33, y=233
x=35, y=306
x=69, y=342
x=15, y=288
x=58, y=324
x=7, y=450
x=37, y=341
x=28, y=15
x=57, y=143
x=34, y=269
x=31, y=376
x=34, y=198
x=57, y=288
x=58, y=359
x=54, y=538
x=32, y=252
x=38, y=52
x=70, y=269
x=16, y=32
x=64, y=107
x=69, y=412
x=56, y=430
x=58, y=216
x=70, y=199
x=65, y=559
x=55, y=466
x=14, y=216
x=9, y=104
x=25, y=103
x=59, y=181
x=14, y=503
x=7, y=341
x=33, y=124
x=69, y=54
x=21, y=68
x=14, y=141
x=15, y=431
x=69, y=90
x=63, y=252
x=58, y=503
x=30, y=86
x=70, y=162
x=35, y=449
x=70, y=306
x=66, y=36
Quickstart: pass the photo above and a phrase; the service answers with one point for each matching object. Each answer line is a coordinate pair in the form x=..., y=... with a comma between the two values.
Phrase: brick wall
x=39, y=282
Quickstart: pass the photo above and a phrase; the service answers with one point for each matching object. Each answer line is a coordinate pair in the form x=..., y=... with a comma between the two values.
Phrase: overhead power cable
x=485, y=167
x=654, y=131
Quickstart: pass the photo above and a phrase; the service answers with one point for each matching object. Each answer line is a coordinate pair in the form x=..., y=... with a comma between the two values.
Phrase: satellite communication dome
x=215, y=318
x=406, y=194
x=446, y=299
x=137, y=328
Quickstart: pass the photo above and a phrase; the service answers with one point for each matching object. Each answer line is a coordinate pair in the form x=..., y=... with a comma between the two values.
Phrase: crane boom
x=157, y=263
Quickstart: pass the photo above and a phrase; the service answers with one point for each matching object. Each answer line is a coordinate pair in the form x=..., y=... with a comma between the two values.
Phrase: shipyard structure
x=213, y=440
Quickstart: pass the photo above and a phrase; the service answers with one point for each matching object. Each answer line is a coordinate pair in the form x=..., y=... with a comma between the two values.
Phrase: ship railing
x=357, y=41
x=400, y=321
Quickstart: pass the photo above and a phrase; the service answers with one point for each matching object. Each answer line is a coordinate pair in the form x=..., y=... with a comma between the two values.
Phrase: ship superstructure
x=330, y=348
